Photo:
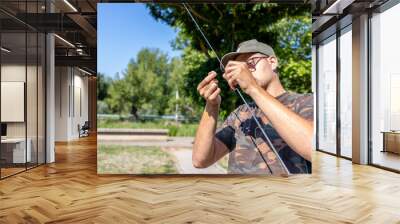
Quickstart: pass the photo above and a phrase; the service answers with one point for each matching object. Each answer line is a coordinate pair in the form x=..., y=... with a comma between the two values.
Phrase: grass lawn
x=173, y=129
x=223, y=162
x=117, y=159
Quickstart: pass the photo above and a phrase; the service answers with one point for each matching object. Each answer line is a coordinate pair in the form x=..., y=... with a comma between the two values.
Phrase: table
x=13, y=150
x=391, y=141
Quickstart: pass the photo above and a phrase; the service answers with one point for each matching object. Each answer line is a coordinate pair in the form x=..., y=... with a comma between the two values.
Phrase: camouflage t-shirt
x=240, y=134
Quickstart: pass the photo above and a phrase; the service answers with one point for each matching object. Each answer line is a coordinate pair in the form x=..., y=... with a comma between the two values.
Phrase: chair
x=84, y=130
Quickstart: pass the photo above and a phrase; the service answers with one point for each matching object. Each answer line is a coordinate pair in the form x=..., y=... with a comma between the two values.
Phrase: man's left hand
x=237, y=73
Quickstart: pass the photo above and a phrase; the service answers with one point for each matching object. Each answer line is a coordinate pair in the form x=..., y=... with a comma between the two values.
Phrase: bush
x=173, y=130
x=183, y=129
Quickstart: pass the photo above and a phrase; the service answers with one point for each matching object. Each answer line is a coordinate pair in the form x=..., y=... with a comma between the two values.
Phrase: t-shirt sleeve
x=226, y=134
x=305, y=107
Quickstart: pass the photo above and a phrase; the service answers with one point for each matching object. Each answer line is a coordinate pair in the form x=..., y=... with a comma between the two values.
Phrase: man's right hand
x=207, y=149
x=209, y=90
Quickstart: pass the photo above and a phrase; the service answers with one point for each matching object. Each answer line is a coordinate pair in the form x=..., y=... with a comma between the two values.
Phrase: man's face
x=263, y=72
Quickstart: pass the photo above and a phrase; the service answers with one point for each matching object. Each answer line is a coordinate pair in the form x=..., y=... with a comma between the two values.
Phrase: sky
x=123, y=30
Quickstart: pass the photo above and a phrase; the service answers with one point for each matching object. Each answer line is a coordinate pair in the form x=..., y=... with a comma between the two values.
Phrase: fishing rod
x=269, y=143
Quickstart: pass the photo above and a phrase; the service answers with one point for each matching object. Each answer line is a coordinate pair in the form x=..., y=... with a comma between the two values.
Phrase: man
x=286, y=117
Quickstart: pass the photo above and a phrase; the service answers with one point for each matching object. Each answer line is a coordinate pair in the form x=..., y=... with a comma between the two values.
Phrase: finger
x=215, y=94
x=232, y=83
x=232, y=63
x=228, y=67
x=230, y=75
x=206, y=80
x=231, y=68
x=211, y=75
x=204, y=89
x=235, y=63
x=210, y=90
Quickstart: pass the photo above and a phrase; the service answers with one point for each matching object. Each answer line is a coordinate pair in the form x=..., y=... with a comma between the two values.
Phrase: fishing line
x=243, y=99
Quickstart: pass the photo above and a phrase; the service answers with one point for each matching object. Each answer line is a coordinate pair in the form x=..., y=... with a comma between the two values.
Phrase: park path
x=180, y=148
x=184, y=159
x=176, y=142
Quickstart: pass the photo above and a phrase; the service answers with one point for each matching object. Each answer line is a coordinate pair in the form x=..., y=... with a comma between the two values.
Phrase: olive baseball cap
x=249, y=46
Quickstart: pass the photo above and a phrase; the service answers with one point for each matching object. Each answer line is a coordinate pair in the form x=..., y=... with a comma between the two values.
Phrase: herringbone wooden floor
x=70, y=191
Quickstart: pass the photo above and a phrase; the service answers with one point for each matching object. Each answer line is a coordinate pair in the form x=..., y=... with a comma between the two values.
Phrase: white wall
x=33, y=125
x=71, y=87
x=81, y=94
x=62, y=81
x=12, y=100
x=11, y=73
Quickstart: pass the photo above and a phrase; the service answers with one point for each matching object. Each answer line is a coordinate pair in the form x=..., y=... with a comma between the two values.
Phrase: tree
x=118, y=96
x=143, y=85
x=294, y=46
x=145, y=88
x=176, y=83
x=285, y=27
x=153, y=70
x=225, y=25
x=103, y=83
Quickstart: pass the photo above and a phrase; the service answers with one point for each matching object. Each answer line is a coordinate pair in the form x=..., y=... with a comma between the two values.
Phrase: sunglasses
x=252, y=62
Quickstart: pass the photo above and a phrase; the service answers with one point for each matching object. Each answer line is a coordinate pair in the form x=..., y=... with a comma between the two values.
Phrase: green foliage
x=286, y=28
x=183, y=129
x=146, y=78
x=226, y=25
x=173, y=130
x=102, y=107
x=143, y=84
x=103, y=83
x=197, y=70
x=118, y=96
x=294, y=49
x=150, y=82
x=176, y=83
x=295, y=75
